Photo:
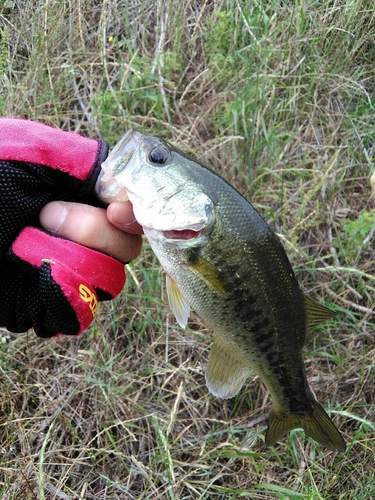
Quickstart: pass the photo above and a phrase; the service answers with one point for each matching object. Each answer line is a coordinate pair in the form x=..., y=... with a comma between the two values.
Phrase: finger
x=90, y=227
x=121, y=215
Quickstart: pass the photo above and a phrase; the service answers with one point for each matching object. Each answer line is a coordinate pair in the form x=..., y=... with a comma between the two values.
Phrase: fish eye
x=158, y=155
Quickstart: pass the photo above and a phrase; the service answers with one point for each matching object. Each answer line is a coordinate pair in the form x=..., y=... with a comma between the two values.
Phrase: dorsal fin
x=225, y=373
x=316, y=313
x=177, y=302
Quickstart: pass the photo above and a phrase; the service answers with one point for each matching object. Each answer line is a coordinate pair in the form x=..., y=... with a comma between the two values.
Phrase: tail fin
x=316, y=424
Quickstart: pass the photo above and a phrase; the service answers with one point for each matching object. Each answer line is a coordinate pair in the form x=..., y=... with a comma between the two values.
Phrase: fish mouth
x=109, y=186
x=109, y=190
x=121, y=153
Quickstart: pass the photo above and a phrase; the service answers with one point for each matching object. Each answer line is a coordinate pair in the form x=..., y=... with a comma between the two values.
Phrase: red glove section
x=33, y=142
x=81, y=274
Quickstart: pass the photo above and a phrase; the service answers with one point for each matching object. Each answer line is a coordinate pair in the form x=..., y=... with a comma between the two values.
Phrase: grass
x=279, y=98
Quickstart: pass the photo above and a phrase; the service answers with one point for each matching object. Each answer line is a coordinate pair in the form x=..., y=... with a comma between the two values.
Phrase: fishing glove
x=47, y=282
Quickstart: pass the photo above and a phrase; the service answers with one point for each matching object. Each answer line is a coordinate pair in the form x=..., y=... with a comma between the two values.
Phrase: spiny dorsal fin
x=177, y=302
x=225, y=373
x=316, y=313
x=210, y=275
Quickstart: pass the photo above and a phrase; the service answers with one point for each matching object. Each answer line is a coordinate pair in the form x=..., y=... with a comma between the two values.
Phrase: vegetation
x=278, y=96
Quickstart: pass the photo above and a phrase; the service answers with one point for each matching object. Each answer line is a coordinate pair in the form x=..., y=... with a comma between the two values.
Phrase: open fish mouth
x=121, y=153
x=109, y=186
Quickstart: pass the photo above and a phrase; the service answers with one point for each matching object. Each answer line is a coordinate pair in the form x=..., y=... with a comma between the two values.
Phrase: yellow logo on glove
x=88, y=296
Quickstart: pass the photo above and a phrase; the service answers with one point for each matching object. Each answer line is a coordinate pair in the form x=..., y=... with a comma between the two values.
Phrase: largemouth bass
x=222, y=260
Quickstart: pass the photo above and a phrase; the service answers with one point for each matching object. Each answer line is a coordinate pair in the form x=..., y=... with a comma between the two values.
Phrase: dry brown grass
x=277, y=96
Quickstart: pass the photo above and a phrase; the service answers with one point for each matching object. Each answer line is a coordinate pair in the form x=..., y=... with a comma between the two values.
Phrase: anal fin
x=225, y=373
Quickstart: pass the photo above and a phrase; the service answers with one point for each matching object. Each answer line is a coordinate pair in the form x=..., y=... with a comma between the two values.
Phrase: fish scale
x=222, y=260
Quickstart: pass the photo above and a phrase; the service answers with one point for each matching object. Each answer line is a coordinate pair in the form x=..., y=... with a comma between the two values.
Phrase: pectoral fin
x=177, y=302
x=209, y=274
x=225, y=373
x=316, y=313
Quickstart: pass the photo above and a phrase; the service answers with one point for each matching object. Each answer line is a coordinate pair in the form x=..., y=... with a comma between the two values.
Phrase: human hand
x=48, y=282
x=113, y=231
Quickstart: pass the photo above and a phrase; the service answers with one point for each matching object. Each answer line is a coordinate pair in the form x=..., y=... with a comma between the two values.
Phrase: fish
x=223, y=261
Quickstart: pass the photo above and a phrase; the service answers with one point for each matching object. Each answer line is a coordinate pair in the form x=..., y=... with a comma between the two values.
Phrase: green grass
x=277, y=96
